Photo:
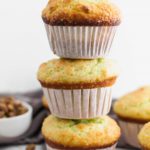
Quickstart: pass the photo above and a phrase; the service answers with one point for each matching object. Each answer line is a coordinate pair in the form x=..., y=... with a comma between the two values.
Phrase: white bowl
x=16, y=126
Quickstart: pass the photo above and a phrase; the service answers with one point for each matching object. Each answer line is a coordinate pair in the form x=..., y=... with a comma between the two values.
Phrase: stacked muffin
x=78, y=85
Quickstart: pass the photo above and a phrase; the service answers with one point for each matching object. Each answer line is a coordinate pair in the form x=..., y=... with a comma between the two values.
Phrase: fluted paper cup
x=113, y=147
x=80, y=42
x=79, y=104
x=130, y=132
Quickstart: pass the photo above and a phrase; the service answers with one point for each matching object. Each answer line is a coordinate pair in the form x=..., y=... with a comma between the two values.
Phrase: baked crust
x=58, y=146
x=105, y=83
x=78, y=13
x=84, y=134
x=139, y=121
x=134, y=106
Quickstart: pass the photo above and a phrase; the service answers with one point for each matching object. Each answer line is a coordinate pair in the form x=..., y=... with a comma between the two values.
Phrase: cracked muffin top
x=67, y=73
x=81, y=12
x=81, y=133
x=134, y=106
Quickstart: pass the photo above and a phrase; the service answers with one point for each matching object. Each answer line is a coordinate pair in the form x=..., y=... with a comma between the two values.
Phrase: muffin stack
x=78, y=85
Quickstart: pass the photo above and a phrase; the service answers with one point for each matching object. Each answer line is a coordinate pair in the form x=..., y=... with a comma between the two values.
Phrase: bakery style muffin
x=144, y=137
x=81, y=28
x=101, y=133
x=78, y=89
x=133, y=110
x=81, y=12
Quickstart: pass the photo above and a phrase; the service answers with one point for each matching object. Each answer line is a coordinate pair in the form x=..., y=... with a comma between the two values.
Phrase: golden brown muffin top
x=67, y=73
x=134, y=106
x=81, y=12
x=93, y=133
x=144, y=136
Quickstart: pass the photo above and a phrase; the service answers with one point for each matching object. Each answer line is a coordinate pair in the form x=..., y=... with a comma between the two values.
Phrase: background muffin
x=80, y=28
x=78, y=89
x=144, y=137
x=80, y=133
x=135, y=105
x=133, y=111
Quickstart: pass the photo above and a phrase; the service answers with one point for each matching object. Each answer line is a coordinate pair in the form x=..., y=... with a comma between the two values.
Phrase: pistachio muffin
x=101, y=133
x=133, y=111
x=81, y=28
x=134, y=106
x=81, y=12
x=144, y=137
x=78, y=74
x=78, y=89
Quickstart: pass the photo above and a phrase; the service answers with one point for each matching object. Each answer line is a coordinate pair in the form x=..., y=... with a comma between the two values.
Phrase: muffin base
x=130, y=131
x=80, y=42
x=52, y=146
x=105, y=83
x=79, y=104
x=133, y=120
x=81, y=22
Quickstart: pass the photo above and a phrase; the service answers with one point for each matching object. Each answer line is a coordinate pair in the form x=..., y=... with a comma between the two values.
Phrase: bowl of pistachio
x=15, y=117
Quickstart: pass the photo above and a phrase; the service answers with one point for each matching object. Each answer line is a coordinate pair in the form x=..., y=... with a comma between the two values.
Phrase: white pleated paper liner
x=79, y=104
x=80, y=42
x=130, y=132
x=113, y=147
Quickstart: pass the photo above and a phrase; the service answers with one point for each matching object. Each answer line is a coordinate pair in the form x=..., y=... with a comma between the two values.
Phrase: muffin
x=45, y=102
x=144, y=137
x=101, y=133
x=133, y=111
x=80, y=28
x=78, y=89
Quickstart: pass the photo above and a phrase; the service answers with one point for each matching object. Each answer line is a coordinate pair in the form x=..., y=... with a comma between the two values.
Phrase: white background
x=24, y=45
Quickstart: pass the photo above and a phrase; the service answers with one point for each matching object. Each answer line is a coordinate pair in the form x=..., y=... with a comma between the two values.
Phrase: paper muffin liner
x=80, y=103
x=130, y=132
x=80, y=42
x=113, y=147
